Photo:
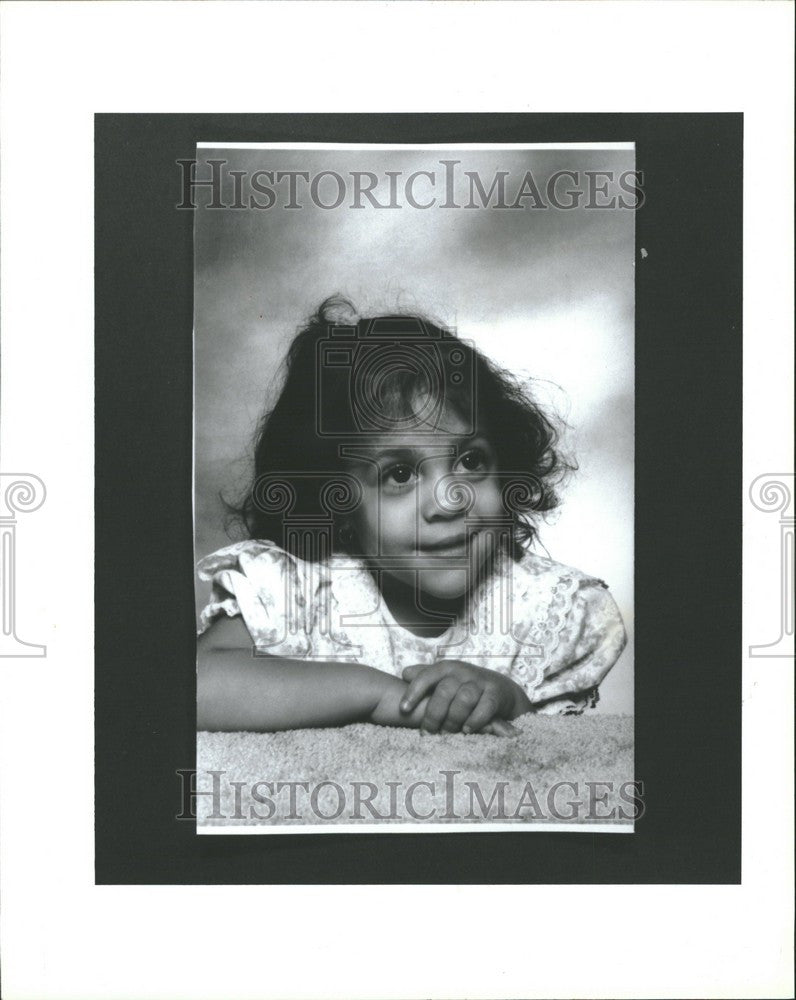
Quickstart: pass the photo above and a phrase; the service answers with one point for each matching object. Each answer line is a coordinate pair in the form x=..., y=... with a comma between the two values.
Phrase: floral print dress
x=551, y=628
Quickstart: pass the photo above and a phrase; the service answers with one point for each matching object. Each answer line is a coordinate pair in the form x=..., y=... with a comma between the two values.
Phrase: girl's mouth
x=453, y=545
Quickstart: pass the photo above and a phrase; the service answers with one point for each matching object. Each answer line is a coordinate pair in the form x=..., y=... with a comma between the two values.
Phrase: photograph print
x=414, y=486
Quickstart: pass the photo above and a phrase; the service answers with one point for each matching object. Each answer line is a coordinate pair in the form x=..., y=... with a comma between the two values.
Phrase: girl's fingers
x=484, y=712
x=464, y=701
x=500, y=727
x=439, y=704
x=420, y=685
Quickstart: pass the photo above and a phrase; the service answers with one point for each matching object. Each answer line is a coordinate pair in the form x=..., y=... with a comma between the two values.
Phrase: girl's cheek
x=366, y=520
x=488, y=502
x=397, y=510
x=386, y=521
x=399, y=523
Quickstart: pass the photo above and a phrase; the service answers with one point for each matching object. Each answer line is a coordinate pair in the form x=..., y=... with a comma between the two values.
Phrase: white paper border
x=469, y=147
x=416, y=828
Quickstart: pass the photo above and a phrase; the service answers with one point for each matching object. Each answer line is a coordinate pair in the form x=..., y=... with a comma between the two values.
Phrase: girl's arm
x=239, y=691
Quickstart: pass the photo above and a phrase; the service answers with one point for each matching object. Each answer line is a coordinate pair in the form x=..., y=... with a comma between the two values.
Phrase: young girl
x=388, y=576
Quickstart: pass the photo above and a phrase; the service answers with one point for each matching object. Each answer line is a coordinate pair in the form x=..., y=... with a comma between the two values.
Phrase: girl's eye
x=399, y=475
x=474, y=461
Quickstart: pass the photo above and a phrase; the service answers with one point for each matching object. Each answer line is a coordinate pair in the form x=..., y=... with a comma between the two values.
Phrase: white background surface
x=64, y=937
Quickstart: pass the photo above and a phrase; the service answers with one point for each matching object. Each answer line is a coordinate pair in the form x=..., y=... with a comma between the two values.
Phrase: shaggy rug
x=574, y=770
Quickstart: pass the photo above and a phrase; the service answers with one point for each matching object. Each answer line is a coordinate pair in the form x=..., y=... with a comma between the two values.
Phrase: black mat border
x=688, y=516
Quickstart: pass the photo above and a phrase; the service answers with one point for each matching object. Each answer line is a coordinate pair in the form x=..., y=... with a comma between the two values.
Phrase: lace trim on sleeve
x=263, y=584
x=213, y=569
x=543, y=636
x=591, y=640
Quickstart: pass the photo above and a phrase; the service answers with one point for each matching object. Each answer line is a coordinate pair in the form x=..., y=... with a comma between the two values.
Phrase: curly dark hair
x=291, y=444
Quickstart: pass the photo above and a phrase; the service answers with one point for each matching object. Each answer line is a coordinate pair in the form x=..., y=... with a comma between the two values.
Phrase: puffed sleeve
x=266, y=586
x=590, y=641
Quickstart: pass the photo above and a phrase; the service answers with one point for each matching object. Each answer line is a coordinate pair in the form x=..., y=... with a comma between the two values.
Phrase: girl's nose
x=432, y=501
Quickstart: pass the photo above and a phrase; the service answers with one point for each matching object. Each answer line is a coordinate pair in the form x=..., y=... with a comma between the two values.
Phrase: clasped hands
x=463, y=698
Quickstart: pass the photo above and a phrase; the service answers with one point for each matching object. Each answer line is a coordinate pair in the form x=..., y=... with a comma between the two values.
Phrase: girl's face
x=405, y=527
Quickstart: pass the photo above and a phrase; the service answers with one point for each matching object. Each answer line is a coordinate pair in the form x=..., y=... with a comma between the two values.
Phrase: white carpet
x=337, y=764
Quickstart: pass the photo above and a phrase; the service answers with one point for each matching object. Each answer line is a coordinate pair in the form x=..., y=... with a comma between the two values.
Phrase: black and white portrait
x=413, y=413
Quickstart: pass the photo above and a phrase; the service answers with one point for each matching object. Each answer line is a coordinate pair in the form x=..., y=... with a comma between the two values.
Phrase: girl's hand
x=389, y=710
x=463, y=697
